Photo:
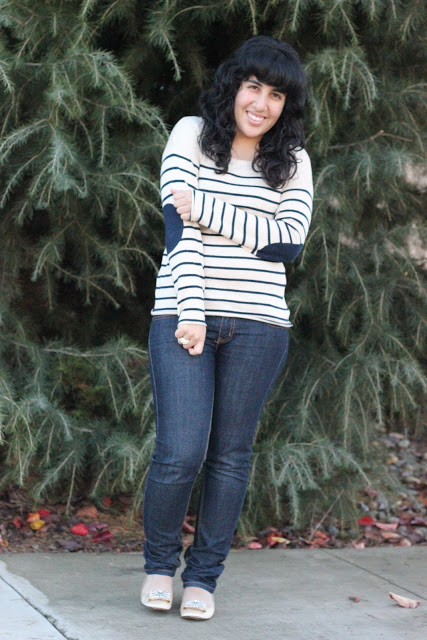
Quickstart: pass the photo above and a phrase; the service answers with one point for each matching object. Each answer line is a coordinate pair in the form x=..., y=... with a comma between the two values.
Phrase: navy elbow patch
x=279, y=252
x=173, y=227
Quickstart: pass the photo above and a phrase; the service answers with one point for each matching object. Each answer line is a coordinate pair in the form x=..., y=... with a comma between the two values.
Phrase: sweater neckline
x=240, y=161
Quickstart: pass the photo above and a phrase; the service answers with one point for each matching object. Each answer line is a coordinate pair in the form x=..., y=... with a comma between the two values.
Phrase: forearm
x=183, y=240
x=278, y=240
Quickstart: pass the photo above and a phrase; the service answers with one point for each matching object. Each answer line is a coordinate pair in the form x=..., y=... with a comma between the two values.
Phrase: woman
x=237, y=199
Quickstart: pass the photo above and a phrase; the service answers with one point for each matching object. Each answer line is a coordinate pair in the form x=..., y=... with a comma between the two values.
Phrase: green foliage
x=86, y=90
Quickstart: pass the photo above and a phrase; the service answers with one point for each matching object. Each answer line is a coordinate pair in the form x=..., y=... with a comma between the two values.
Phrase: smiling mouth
x=255, y=119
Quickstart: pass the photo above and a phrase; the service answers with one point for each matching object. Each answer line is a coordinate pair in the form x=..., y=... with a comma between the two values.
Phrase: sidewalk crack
x=46, y=616
x=395, y=584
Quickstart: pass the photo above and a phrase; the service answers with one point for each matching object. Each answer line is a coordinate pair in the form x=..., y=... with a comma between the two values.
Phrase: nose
x=260, y=101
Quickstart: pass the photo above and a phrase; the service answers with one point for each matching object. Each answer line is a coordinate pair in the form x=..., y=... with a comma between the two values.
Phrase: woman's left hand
x=182, y=202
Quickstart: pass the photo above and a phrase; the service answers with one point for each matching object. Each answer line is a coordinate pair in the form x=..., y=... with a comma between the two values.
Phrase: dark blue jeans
x=207, y=410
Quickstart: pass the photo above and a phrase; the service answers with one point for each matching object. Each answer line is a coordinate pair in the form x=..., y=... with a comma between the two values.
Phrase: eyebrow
x=260, y=83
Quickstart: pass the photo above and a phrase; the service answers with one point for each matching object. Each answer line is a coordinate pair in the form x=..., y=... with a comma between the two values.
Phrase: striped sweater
x=228, y=259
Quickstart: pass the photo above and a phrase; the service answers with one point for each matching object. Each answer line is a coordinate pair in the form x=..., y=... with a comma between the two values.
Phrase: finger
x=197, y=348
x=188, y=345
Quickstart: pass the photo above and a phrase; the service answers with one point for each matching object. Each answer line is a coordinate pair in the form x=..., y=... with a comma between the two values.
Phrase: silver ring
x=184, y=341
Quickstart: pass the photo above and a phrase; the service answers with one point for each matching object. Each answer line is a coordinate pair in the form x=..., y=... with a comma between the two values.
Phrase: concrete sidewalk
x=262, y=595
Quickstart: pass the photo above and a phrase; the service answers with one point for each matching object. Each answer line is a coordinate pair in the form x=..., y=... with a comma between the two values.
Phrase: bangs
x=272, y=68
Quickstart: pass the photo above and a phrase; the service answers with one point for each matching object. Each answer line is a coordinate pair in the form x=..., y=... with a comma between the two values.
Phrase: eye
x=279, y=96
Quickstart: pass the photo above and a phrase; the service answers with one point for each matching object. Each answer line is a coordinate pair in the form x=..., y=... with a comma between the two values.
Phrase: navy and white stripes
x=228, y=260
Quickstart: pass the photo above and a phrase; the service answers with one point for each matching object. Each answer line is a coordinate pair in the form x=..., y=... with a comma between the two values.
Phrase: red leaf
x=80, y=529
x=18, y=523
x=43, y=513
x=366, y=521
x=102, y=536
x=106, y=501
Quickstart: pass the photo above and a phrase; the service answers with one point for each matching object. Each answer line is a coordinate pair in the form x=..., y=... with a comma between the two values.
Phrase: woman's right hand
x=195, y=333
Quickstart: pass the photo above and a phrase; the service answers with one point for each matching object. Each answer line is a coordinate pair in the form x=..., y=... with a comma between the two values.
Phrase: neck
x=244, y=148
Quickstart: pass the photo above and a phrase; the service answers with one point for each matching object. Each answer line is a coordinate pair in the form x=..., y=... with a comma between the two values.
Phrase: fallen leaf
x=37, y=524
x=318, y=542
x=87, y=512
x=408, y=603
x=392, y=460
x=43, y=513
x=390, y=535
x=96, y=526
x=354, y=598
x=358, y=545
x=320, y=534
x=254, y=545
x=371, y=534
x=102, y=536
x=106, y=501
x=71, y=545
x=365, y=521
x=405, y=543
x=80, y=529
x=277, y=540
x=32, y=517
x=387, y=526
x=18, y=523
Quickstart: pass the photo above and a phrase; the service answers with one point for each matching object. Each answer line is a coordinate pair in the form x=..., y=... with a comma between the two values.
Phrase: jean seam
x=204, y=458
x=156, y=409
x=274, y=378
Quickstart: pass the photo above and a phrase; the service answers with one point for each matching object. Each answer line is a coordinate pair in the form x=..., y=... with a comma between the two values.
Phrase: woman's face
x=257, y=108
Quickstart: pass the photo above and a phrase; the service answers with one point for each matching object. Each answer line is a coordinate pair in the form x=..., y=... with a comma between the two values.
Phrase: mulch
x=397, y=521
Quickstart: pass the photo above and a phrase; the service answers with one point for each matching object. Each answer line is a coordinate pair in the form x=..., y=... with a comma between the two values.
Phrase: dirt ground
x=398, y=522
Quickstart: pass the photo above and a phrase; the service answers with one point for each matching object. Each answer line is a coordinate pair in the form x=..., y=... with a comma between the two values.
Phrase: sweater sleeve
x=276, y=240
x=184, y=245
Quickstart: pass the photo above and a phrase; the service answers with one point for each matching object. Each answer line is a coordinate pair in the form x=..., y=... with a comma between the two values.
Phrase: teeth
x=255, y=118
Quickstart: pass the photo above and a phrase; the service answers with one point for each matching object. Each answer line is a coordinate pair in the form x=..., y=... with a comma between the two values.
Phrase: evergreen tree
x=87, y=88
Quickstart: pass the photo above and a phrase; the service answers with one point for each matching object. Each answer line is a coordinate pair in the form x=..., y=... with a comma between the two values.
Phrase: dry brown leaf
x=88, y=512
x=408, y=603
x=354, y=598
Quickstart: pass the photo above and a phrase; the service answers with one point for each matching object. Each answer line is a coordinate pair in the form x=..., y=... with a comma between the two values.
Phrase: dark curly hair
x=274, y=63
